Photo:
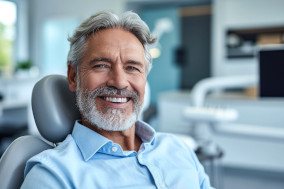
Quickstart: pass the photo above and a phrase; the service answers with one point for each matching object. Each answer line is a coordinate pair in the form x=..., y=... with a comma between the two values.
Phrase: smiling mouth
x=115, y=99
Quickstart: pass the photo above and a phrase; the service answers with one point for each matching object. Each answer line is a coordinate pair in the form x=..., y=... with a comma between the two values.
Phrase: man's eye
x=100, y=66
x=132, y=69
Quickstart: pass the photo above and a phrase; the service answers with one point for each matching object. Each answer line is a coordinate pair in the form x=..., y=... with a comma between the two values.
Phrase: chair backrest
x=55, y=111
x=54, y=108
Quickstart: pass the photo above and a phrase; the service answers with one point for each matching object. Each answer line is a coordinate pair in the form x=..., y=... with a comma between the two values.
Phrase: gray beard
x=112, y=119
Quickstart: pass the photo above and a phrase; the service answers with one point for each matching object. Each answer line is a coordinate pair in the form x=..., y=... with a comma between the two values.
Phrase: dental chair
x=54, y=109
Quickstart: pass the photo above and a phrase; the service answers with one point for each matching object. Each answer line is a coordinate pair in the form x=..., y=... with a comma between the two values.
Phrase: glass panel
x=55, y=44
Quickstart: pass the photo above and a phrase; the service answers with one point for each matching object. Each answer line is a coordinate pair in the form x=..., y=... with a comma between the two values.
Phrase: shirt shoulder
x=170, y=143
x=178, y=148
x=176, y=141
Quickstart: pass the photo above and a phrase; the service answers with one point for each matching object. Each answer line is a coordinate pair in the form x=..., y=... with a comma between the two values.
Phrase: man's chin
x=111, y=122
x=112, y=128
x=116, y=129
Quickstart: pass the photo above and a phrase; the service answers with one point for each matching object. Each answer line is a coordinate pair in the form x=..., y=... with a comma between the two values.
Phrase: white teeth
x=114, y=99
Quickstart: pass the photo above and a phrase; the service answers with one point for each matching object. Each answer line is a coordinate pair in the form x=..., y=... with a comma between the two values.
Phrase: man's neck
x=127, y=139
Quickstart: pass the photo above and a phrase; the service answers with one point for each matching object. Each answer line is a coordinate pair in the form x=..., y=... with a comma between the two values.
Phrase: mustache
x=106, y=90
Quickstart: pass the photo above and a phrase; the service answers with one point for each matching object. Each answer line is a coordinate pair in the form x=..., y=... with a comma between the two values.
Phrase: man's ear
x=72, y=77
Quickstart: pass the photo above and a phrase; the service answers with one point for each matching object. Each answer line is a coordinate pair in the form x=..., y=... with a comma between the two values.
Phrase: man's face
x=111, y=79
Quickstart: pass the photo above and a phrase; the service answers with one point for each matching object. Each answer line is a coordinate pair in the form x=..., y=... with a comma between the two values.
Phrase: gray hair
x=128, y=21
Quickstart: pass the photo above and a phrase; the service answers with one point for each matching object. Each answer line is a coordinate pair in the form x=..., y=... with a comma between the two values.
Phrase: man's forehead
x=110, y=33
x=112, y=43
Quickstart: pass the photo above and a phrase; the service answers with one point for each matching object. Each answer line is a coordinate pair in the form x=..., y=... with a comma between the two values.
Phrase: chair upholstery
x=54, y=108
x=54, y=111
x=13, y=161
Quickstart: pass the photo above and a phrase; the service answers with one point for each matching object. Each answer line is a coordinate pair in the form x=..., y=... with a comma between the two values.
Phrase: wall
x=240, y=14
x=22, y=46
x=41, y=12
x=165, y=75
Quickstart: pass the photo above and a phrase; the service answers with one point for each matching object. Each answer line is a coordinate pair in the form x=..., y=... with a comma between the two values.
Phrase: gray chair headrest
x=54, y=108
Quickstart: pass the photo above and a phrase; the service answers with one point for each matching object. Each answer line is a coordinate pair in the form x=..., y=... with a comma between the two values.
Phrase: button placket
x=157, y=175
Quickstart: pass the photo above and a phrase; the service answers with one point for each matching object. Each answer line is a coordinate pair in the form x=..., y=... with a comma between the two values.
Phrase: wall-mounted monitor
x=271, y=71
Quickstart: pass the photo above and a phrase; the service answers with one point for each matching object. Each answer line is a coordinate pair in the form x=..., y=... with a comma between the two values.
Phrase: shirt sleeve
x=41, y=177
x=203, y=177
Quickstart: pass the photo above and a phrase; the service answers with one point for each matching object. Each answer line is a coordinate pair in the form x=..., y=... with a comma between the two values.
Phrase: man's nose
x=118, y=79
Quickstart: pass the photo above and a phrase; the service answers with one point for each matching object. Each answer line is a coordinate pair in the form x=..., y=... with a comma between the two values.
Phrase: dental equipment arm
x=200, y=114
x=201, y=89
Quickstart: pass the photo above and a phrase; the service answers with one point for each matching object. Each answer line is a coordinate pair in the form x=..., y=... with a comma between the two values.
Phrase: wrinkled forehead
x=115, y=41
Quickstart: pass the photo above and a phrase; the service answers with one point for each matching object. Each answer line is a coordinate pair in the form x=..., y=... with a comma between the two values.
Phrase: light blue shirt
x=86, y=159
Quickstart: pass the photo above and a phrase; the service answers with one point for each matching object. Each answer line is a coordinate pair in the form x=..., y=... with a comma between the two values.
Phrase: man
x=108, y=63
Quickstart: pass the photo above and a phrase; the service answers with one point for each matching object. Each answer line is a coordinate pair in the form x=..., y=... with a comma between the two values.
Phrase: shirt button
x=114, y=149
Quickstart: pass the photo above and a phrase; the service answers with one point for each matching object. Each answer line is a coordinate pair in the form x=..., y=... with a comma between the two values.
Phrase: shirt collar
x=90, y=142
x=145, y=132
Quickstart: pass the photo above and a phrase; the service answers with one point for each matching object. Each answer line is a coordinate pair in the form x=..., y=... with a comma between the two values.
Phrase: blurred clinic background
x=217, y=79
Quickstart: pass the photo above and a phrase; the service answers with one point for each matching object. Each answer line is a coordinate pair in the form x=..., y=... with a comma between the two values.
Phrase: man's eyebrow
x=100, y=59
x=135, y=62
